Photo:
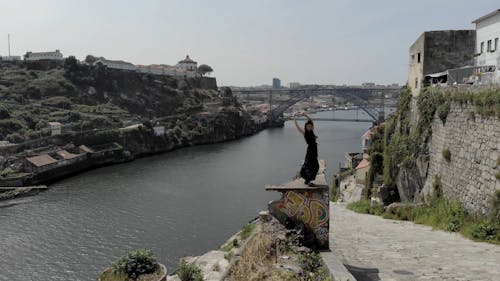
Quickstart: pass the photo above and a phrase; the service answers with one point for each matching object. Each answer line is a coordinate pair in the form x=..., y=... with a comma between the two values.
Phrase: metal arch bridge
x=352, y=94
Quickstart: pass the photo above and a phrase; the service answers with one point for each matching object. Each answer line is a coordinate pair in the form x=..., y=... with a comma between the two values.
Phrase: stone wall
x=474, y=143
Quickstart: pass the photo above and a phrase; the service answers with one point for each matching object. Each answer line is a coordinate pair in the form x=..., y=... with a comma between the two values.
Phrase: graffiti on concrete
x=313, y=212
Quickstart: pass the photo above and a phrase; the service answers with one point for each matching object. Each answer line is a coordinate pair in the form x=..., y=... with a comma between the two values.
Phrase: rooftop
x=494, y=13
x=66, y=155
x=187, y=60
x=363, y=164
x=41, y=160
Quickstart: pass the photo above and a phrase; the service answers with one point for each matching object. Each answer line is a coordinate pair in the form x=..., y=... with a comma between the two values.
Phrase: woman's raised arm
x=307, y=116
x=297, y=125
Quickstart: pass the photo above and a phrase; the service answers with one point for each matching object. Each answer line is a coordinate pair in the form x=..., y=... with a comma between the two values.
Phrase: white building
x=55, y=128
x=187, y=64
x=487, y=46
x=11, y=58
x=117, y=64
x=32, y=56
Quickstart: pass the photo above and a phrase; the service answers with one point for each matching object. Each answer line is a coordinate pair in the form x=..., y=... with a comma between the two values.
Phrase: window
x=496, y=44
x=489, y=46
x=412, y=57
x=416, y=82
x=482, y=48
x=418, y=57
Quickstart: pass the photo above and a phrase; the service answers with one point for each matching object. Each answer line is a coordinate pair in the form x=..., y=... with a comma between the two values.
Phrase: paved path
x=374, y=248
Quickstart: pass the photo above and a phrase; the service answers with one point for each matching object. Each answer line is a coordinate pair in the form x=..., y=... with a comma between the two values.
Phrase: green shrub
x=15, y=138
x=362, y=206
x=136, y=263
x=446, y=154
x=400, y=212
x=498, y=176
x=310, y=262
x=486, y=230
x=189, y=272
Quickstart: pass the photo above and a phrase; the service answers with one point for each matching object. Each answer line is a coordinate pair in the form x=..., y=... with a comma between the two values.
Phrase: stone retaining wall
x=474, y=143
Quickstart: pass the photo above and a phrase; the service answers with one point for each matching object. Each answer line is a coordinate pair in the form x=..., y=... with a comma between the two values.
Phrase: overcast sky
x=246, y=42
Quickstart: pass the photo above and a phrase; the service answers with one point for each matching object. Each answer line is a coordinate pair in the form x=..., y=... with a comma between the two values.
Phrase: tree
x=70, y=64
x=204, y=69
x=90, y=59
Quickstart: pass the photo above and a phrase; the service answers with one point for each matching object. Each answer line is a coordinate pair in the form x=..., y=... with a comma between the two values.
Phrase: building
x=487, y=54
x=163, y=69
x=368, y=85
x=361, y=172
x=187, y=64
x=276, y=83
x=437, y=51
x=39, y=163
x=10, y=58
x=116, y=64
x=294, y=85
x=55, y=128
x=33, y=56
x=159, y=130
x=352, y=159
x=366, y=139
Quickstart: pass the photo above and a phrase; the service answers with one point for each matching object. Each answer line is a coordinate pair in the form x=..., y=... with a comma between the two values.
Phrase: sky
x=247, y=43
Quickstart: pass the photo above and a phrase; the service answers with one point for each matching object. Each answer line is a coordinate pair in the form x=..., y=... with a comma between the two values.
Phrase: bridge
x=359, y=96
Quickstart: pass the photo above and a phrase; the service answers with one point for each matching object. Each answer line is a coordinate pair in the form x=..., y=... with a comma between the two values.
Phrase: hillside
x=84, y=97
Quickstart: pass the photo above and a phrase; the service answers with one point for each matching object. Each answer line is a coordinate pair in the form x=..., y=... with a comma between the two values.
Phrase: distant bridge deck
x=339, y=119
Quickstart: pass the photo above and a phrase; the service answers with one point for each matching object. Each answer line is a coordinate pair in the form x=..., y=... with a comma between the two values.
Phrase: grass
x=440, y=214
x=247, y=230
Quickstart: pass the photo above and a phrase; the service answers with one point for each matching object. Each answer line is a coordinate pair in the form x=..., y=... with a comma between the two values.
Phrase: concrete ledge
x=333, y=262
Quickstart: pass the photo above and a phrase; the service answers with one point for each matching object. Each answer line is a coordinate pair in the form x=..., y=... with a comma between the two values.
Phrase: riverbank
x=108, y=147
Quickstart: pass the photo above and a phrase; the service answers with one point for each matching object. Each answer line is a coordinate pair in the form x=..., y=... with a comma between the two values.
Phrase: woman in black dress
x=311, y=166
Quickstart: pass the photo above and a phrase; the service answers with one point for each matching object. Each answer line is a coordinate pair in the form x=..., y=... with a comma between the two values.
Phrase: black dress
x=311, y=165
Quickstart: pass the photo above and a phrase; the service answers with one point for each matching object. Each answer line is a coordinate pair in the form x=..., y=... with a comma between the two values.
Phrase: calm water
x=180, y=203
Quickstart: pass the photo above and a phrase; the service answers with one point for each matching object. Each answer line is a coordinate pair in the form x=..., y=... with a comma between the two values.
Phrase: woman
x=310, y=168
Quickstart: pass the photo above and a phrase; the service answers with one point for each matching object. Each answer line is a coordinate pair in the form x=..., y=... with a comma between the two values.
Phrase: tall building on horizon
x=276, y=83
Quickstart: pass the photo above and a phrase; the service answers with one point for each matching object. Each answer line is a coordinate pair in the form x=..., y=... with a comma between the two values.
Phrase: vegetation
x=247, y=230
x=440, y=213
x=189, y=272
x=134, y=264
x=204, y=69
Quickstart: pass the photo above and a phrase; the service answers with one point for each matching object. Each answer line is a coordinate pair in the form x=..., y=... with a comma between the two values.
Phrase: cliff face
x=469, y=174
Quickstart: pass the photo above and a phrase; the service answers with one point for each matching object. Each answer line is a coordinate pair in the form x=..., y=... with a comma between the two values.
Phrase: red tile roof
x=41, y=160
x=363, y=164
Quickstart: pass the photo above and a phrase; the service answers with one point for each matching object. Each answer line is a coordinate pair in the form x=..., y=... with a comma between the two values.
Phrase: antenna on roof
x=8, y=40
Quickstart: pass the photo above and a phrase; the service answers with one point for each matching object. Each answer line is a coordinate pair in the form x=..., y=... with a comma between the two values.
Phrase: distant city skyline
x=246, y=43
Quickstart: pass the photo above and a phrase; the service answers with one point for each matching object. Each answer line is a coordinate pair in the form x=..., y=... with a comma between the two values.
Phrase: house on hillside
x=40, y=163
x=487, y=55
x=116, y=64
x=437, y=51
x=34, y=56
x=187, y=64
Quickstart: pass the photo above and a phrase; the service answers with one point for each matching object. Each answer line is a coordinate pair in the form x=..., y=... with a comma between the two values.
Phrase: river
x=180, y=203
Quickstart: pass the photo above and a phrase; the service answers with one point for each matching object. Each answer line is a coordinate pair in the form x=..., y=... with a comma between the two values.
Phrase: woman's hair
x=309, y=135
x=307, y=123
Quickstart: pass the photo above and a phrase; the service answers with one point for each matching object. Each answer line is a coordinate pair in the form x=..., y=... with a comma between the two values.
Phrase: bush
x=136, y=263
x=15, y=138
x=189, y=272
x=486, y=230
x=446, y=154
